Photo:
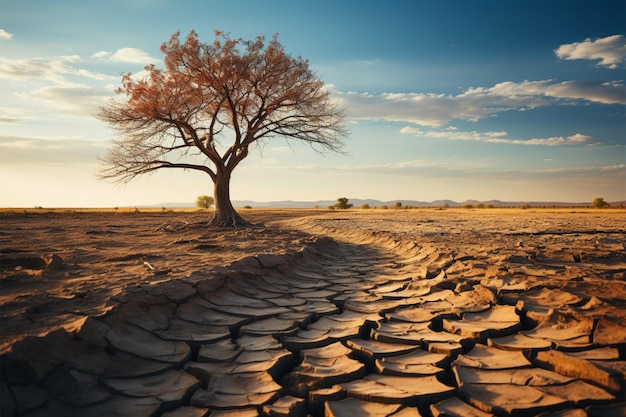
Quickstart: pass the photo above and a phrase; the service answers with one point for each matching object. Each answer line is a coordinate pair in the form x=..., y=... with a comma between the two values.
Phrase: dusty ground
x=60, y=267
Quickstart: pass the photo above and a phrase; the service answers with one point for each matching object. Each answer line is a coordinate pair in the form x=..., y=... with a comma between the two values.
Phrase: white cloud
x=10, y=115
x=403, y=168
x=610, y=50
x=392, y=168
x=69, y=58
x=499, y=137
x=22, y=69
x=461, y=170
x=618, y=169
x=4, y=35
x=130, y=55
x=605, y=93
x=49, y=69
x=101, y=54
x=4, y=119
x=77, y=99
x=56, y=150
x=422, y=109
x=428, y=109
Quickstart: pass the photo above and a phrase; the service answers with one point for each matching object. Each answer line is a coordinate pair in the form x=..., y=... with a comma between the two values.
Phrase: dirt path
x=349, y=318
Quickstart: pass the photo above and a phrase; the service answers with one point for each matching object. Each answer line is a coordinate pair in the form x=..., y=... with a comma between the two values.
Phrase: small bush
x=599, y=203
x=204, y=201
x=365, y=206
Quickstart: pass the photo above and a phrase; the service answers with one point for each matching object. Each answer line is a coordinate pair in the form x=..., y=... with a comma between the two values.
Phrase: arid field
x=408, y=312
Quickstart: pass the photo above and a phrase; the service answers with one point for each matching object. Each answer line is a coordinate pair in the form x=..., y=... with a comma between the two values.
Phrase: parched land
x=313, y=312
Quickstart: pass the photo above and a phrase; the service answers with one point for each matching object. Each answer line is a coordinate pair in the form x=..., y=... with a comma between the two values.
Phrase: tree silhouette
x=179, y=116
x=342, y=204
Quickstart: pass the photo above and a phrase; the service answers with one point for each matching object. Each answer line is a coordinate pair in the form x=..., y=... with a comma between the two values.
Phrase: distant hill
x=356, y=202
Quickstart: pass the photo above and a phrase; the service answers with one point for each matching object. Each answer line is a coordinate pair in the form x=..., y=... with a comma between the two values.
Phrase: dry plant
x=249, y=91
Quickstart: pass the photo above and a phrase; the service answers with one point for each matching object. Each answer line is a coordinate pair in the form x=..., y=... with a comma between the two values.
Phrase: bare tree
x=179, y=116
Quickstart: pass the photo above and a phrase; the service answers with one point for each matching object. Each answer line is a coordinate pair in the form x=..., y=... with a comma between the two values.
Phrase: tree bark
x=225, y=214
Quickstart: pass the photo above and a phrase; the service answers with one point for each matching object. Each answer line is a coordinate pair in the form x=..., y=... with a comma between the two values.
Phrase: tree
x=204, y=201
x=342, y=204
x=599, y=203
x=178, y=117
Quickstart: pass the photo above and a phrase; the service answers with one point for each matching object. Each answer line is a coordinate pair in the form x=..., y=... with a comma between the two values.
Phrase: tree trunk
x=225, y=214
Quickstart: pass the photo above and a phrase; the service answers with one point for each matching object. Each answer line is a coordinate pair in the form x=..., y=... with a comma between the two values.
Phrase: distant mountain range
x=357, y=203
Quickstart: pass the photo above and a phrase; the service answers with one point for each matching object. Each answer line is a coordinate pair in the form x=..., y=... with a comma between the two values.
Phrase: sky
x=488, y=99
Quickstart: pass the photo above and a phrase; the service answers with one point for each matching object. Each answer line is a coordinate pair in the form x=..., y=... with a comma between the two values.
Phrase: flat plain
x=313, y=312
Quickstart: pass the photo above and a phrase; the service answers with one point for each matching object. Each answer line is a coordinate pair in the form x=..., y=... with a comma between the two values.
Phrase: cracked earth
x=331, y=314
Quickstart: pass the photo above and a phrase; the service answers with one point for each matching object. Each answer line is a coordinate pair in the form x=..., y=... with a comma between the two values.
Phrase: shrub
x=365, y=206
x=204, y=201
x=599, y=203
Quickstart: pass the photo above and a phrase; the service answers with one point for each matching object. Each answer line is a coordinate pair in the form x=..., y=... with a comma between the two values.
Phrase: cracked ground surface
x=316, y=313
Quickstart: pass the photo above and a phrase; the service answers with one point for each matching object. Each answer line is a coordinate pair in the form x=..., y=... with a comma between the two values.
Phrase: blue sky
x=509, y=100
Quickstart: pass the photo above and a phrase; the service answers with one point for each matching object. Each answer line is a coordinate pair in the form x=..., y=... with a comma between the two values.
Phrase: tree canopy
x=342, y=204
x=209, y=104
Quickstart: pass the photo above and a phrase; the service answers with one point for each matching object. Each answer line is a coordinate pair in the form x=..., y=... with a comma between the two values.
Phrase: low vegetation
x=342, y=204
x=599, y=203
x=204, y=201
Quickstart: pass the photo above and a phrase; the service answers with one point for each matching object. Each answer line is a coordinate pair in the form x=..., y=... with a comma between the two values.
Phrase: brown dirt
x=490, y=293
x=57, y=266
